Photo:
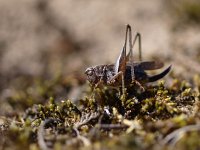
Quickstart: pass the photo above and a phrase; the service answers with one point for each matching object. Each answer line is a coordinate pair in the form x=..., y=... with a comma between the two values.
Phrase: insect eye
x=89, y=72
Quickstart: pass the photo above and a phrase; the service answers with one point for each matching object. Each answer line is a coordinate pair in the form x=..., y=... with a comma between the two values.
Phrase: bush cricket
x=125, y=71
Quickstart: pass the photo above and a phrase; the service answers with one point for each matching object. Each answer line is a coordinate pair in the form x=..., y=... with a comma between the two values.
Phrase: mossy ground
x=161, y=117
x=36, y=114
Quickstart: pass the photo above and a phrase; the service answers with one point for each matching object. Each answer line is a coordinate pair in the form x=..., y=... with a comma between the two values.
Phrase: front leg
x=116, y=78
x=113, y=80
x=101, y=77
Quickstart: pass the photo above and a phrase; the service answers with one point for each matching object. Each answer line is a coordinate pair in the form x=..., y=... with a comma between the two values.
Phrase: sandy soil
x=40, y=36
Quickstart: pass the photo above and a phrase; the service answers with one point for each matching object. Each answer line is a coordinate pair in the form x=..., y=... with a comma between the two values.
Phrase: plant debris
x=161, y=117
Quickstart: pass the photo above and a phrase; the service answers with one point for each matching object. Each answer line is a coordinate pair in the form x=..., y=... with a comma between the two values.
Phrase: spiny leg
x=137, y=36
x=130, y=54
x=120, y=65
x=130, y=57
x=115, y=79
x=101, y=80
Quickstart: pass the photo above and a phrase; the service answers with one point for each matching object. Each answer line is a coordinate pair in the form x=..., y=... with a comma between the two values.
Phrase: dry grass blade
x=176, y=135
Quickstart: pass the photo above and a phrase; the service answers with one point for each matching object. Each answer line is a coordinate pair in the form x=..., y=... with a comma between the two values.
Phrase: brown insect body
x=125, y=72
x=103, y=74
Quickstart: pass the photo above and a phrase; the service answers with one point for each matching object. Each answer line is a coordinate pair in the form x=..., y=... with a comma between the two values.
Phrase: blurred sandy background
x=46, y=45
x=43, y=37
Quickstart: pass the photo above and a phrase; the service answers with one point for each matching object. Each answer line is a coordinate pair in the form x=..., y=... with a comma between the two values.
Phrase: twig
x=176, y=135
x=85, y=119
x=112, y=126
x=41, y=141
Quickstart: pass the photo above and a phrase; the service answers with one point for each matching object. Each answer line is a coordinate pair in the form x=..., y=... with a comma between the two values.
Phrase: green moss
x=103, y=119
